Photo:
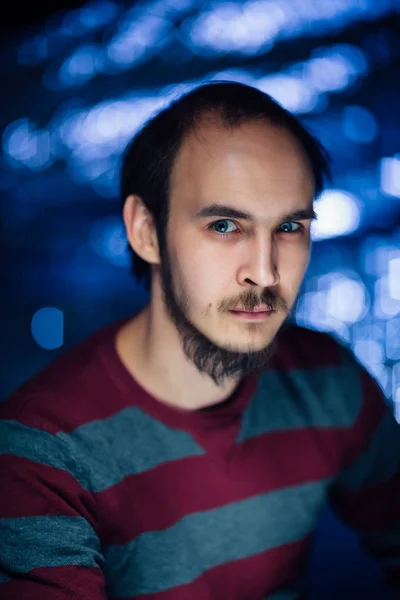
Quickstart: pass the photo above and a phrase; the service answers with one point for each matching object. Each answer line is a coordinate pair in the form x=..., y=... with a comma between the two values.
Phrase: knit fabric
x=107, y=492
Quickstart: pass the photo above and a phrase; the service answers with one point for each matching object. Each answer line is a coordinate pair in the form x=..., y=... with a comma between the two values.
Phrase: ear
x=140, y=229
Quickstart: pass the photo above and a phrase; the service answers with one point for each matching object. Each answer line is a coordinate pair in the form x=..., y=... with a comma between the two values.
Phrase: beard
x=217, y=362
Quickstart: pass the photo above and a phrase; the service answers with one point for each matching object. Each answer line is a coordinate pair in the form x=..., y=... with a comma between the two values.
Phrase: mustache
x=270, y=299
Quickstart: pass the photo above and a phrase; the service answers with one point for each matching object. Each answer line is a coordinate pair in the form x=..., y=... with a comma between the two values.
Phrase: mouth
x=261, y=309
x=255, y=314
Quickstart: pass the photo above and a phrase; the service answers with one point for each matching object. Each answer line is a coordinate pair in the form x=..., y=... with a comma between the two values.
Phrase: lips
x=255, y=310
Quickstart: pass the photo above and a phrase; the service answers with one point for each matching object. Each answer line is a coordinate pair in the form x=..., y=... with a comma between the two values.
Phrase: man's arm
x=366, y=494
x=49, y=548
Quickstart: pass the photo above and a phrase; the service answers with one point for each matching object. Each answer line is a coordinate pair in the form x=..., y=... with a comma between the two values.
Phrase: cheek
x=198, y=260
x=293, y=265
x=205, y=276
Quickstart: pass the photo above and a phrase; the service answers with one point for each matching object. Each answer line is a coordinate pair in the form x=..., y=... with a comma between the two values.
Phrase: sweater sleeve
x=49, y=547
x=366, y=493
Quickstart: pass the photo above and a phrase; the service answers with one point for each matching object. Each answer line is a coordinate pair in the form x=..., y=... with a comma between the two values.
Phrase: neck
x=150, y=348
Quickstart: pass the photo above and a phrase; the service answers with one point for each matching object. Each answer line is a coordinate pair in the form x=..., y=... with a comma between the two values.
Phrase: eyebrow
x=223, y=210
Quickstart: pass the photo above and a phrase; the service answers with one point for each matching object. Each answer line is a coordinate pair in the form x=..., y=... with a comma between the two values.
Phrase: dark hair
x=149, y=157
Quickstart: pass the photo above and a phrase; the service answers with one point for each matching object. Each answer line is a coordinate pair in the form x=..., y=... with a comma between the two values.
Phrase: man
x=187, y=452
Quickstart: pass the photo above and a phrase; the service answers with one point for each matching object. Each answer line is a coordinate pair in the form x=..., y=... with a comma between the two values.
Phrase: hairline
x=215, y=116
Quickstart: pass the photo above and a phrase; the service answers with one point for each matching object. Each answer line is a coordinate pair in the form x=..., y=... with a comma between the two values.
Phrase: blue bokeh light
x=256, y=25
x=81, y=65
x=108, y=239
x=47, y=328
x=359, y=124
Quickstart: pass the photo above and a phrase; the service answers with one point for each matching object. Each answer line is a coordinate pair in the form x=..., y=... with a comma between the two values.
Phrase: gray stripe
x=160, y=560
x=39, y=446
x=295, y=399
x=379, y=462
x=110, y=449
x=129, y=442
x=28, y=543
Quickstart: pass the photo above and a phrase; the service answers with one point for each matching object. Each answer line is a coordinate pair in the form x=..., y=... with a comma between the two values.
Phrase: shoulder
x=63, y=417
x=323, y=371
x=301, y=348
x=327, y=370
x=69, y=391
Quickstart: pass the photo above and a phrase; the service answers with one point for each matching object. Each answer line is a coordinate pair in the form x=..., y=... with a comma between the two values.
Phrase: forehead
x=254, y=162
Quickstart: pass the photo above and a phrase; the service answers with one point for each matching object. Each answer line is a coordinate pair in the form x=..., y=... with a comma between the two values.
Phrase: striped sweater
x=107, y=493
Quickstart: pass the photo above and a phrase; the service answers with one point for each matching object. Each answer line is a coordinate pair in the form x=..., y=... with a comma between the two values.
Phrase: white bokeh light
x=339, y=213
x=390, y=176
x=346, y=299
x=396, y=403
x=385, y=307
x=369, y=352
x=394, y=278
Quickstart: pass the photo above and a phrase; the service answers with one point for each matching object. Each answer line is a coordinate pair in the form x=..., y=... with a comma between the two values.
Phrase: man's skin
x=186, y=347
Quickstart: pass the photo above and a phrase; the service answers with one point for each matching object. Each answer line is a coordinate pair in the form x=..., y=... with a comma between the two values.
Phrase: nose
x=261, y=266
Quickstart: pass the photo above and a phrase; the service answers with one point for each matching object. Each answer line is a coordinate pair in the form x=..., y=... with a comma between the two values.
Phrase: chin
x=245, y=344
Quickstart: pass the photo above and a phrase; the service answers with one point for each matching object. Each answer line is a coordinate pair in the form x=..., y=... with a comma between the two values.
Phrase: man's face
x=204, y=275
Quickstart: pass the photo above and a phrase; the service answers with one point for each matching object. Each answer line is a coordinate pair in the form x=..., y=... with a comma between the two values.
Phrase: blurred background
x=79, y=79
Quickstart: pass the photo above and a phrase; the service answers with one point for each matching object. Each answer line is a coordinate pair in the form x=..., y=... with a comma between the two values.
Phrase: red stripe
x=299, y=348
x=67, y=409
x=61, y=583
x=261, y=574
x=34, y=489
x=159, y=497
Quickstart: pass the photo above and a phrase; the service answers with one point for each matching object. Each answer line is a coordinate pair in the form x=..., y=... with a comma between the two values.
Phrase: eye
x=289, y=227
x=221, y=226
